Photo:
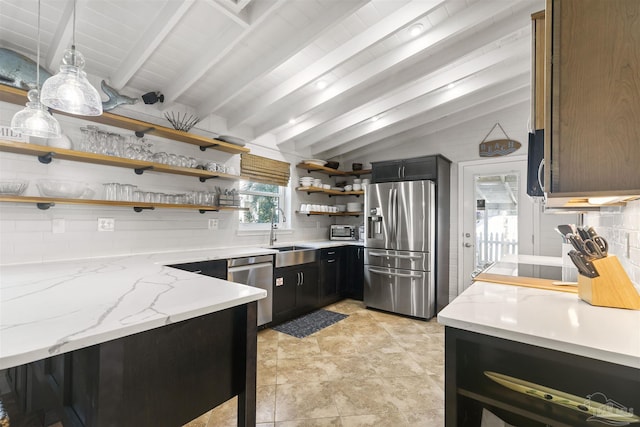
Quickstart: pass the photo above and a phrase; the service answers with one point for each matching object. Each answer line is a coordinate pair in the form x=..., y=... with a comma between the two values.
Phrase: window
x=264, y=202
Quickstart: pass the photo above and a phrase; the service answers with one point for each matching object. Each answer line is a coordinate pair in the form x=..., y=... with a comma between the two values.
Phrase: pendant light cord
x=38, y=55
x=73, y=34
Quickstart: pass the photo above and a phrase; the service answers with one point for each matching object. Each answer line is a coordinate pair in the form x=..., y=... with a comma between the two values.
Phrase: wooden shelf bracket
x=142, y=208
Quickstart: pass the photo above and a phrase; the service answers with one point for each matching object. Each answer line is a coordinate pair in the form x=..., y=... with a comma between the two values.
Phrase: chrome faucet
x=274, y=226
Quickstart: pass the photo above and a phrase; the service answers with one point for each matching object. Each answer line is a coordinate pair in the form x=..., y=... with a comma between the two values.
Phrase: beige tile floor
x=370, y=369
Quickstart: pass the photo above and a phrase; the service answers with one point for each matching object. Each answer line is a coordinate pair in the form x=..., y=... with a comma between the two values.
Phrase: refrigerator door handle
x=395, y=216
x=388, y=222
x=380, y=254
x=388, y=273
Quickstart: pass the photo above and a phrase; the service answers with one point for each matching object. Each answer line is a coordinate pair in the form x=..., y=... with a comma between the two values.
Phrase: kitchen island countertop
x=554, y=320
x=52, y=308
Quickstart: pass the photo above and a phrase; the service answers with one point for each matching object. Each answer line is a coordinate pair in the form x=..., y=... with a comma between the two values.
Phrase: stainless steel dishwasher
x=256, y=271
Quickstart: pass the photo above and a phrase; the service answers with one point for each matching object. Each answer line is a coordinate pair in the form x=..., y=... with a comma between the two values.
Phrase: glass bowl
x=13, y=187
x=61, y=188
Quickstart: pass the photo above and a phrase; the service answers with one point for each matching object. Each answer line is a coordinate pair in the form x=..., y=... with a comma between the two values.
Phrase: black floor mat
x=310, y=323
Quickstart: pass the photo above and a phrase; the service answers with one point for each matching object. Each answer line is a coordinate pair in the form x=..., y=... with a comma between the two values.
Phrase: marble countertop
x=550, y=319
x=56, y=307
x=52, y=308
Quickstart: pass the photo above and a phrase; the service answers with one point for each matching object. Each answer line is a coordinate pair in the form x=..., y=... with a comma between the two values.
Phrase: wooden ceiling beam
x=358, y=44
x=289, y=48
x=480, y=97
x=164, y=23
x=472, y=27
x=411, y=92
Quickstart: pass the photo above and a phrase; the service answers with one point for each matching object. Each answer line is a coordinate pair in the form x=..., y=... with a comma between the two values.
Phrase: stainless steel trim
x=389, y=273
x=406, y=260
x=296, y=257
x=234, y=262
x=380, y=254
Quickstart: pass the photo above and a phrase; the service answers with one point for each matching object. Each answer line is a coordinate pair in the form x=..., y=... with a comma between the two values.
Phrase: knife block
x=612, y=288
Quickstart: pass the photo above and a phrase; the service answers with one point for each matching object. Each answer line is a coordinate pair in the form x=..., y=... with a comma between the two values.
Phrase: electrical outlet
x=213, y=224
x=58, y=226
x=106, y=224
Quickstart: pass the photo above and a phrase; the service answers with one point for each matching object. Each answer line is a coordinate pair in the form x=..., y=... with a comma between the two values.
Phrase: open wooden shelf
x=330, y=213
x=46, y=153
x=47, y=202
x=331, y=172
x=19, y=96
x=310, y=190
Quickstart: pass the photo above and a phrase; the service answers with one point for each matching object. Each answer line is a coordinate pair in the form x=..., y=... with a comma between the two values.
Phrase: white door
x=496, y=214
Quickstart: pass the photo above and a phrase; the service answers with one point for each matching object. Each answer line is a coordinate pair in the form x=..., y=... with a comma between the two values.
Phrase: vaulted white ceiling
x=256, y=63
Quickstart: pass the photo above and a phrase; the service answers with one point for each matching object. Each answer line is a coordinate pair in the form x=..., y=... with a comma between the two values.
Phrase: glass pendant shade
x=35, y=120
x=69, y=90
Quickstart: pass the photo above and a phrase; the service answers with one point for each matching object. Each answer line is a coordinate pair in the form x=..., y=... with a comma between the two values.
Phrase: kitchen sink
x=289, y=248
x=294, y=255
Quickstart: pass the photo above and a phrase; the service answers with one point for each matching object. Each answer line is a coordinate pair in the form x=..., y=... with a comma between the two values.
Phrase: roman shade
x=261, y=169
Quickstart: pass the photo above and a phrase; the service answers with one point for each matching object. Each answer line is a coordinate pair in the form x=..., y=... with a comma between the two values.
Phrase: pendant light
x=35, y=119
x=69, y=90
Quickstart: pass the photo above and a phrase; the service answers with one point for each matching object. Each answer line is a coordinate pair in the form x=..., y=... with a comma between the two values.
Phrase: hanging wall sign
x=498, y=147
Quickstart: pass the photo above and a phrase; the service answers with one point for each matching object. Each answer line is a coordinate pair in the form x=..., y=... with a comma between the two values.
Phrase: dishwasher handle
x=241, y=268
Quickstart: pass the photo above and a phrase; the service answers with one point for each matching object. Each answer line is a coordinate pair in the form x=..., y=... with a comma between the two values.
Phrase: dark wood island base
x=527, y=385
x=164, y=377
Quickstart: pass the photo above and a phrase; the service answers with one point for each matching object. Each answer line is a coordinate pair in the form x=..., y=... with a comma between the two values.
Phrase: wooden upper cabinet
x=537, y=70
x=592, y=98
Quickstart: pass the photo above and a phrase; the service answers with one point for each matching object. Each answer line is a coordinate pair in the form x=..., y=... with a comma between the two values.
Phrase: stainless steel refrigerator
x=399, y=271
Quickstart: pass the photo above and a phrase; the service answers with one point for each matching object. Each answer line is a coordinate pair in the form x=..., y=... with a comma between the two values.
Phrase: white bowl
x=348, y=187
x=357, y=187
x=61, y=188
x=326, y=186
x=13, y=187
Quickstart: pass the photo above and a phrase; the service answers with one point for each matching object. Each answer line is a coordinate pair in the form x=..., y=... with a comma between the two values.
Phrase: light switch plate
x=106, y=224
x=213, y=224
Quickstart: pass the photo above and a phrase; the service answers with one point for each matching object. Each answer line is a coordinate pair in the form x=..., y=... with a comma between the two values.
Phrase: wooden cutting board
x=528, y=282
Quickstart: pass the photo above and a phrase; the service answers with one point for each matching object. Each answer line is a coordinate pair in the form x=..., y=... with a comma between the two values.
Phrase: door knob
x=467, y=245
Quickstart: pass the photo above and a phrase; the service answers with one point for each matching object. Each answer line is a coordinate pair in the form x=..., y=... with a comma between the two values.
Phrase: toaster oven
x=342, y=232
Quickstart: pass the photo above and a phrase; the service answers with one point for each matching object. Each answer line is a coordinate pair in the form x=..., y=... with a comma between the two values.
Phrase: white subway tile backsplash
x=615, y=224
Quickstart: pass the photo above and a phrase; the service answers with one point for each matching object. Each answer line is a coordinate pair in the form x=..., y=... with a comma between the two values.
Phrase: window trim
x=284, y=201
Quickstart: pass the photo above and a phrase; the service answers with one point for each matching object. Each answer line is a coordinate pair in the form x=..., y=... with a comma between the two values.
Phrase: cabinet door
x=593, y=104
x=285, y=287
x=420, y=168
x=330, y=280
x=354, y=281
x=386, y=171
x=307, y=293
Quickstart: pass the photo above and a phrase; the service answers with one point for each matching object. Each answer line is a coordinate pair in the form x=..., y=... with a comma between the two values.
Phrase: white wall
x=27, y=233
